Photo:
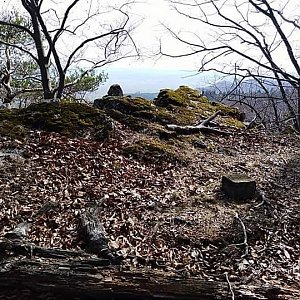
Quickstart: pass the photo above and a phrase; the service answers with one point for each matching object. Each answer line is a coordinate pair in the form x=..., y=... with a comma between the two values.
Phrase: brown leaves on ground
x=164, y=215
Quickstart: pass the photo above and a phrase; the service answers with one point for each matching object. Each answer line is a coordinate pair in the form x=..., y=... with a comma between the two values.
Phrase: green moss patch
x=183, y=96
x=183, y=106
x=71, y=119
x=125, y=105
x=152, y=150
x=12, y=130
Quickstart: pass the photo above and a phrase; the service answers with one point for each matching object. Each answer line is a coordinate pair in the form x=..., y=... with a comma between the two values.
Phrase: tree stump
x=238, y=186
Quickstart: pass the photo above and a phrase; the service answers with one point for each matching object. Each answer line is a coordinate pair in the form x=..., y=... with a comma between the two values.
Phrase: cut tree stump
x=238, y=186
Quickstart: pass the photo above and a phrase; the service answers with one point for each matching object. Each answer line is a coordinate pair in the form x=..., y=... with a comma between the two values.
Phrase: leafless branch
x=245, y=243
x=229, y=285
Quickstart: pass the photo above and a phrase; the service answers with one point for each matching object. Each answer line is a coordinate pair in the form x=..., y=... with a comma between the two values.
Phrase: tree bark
x=94, y=234
x=31, y=272
x=89, y=279
x=43, y=61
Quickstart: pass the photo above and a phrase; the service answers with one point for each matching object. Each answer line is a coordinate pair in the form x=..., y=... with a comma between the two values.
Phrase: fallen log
x=32, y=279
x=32, y=272
x=11, y=248
x=201, y=127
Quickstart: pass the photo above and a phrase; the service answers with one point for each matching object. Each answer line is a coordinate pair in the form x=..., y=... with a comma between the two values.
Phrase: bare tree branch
x=255, y=34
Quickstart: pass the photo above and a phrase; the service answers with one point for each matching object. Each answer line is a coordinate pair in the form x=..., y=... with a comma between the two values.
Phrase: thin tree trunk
x=43, y=61
x=298, y=108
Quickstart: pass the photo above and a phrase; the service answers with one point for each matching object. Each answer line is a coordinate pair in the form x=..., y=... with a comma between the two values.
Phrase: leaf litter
x=166, y=215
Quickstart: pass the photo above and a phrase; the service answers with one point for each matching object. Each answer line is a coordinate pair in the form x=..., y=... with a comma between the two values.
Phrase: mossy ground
x=70, y=119
x=153, y=150
x=184, y=106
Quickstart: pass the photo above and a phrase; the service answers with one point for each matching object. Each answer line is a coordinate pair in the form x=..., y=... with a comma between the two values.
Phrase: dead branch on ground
x=201, y=127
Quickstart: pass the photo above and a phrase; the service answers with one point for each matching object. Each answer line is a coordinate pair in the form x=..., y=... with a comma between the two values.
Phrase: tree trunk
x=298, y=108
x=43, y=61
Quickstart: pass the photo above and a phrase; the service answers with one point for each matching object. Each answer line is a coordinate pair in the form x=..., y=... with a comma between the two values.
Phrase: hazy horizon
x=138, y=80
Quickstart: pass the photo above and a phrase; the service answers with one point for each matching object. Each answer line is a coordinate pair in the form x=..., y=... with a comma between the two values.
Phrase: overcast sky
x=150, y=73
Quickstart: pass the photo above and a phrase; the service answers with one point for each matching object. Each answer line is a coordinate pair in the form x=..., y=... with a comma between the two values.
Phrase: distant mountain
x=247, y=86
x=148, y=96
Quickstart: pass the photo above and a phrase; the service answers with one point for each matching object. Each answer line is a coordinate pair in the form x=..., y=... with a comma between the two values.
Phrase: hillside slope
x=157, y=192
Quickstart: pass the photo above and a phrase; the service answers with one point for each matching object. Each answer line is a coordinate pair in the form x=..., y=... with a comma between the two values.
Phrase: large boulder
x=183, y=96
x=114, y=93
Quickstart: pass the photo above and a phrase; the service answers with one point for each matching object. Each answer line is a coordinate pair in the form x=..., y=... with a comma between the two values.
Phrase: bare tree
x=246, y=38
x=66, y=35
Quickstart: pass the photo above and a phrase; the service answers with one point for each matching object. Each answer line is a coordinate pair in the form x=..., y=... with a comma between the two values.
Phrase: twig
x=229, y=285
x=262, y=197
x=264, y=201
x=245, y=235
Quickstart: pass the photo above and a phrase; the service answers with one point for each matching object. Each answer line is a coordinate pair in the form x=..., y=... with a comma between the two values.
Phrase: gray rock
x=115, y=90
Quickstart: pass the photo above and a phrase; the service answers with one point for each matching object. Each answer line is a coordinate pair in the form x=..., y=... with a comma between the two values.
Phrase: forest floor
x=156, y=191
x=170, y=216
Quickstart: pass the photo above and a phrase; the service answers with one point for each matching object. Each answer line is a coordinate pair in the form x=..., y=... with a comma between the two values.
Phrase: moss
x=126, y=105
x=12, y=130
x=234, y=122
x=8, y=115
x=227, y=110
x=169, y=97
x=152, y=150
x=183, y=96
x=67, y=118
x=132, y=122
x=183, y=106
x=71, y=119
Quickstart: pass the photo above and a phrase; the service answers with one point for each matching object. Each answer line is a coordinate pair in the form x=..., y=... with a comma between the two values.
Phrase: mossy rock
x=12, y=130
x=183, y=106
x=183, y=96
x=136, y=113
x=188, y=105
x=169, y=97
x=152, y=150
x=68, y=118
x=134, y=123
x=71, y=119
x=125, y=105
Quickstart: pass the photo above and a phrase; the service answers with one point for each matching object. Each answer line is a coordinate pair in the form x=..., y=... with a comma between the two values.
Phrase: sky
x=150, y=73
x=136, y=78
